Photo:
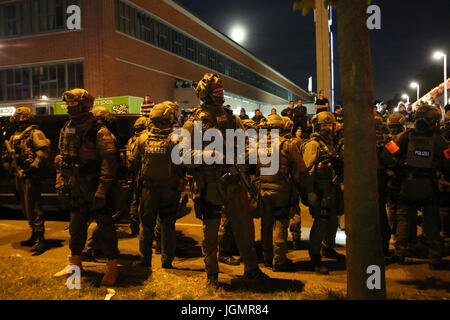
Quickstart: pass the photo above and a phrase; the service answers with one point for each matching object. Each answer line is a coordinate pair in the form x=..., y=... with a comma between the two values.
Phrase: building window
x=40, y=80
x=150, y=29
x=33, y=16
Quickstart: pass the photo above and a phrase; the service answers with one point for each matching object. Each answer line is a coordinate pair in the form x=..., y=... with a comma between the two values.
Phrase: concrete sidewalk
x=413, y=280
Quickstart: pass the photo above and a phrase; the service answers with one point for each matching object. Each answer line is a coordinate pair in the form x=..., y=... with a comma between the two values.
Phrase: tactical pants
x=29, y=194
x=407, y=226
x=93, y=236
x=134, y=206
x=393, y=192
x=106, y=232
x=226, y=239
x=325, y=223
x=158, y=201
x=295, y=227
x=274, y=226
x=382, y=214
x=236, y=207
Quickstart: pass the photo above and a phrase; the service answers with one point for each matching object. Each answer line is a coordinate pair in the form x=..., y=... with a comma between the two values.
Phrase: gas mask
x=74, y=108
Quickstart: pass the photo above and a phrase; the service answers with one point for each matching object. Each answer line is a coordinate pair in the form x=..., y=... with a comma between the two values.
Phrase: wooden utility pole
x=323, y=57
x=363, y=245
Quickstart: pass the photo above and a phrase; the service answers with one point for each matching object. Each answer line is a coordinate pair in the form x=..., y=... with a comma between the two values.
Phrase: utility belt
x=72, y=167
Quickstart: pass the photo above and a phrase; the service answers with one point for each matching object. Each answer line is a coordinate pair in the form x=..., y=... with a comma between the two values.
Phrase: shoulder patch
x=392, y=147
x=447, y=153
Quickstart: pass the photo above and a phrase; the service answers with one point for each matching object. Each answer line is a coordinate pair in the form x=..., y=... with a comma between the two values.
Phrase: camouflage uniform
x=396, y=123
x=86, y=171
x=214, y=191
x=277, y=192
x=320, y=158
x=161, y=183
x=30, y=151
x=140, y=126
x=381, y=137
x=295, y=223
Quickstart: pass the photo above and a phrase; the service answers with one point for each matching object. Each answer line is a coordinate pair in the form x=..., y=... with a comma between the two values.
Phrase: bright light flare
x=405, y=96
x=414, y=85
x=438, y=55
x=238, y=34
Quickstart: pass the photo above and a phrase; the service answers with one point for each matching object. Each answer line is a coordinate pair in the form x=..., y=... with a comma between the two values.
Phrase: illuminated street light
x=405, y=96
x=44, y=98
x=238, y=34
x=415, y=85
x=438, y=55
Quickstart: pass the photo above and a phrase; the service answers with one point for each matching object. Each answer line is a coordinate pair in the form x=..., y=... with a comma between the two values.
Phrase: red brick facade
x=116, y=64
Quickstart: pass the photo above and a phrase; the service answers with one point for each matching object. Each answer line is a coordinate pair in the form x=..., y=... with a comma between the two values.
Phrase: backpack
x=157, y=162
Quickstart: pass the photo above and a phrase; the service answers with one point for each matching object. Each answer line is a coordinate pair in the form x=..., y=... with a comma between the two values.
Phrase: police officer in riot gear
x=27, y=153
x=217, y=187
x=141, y=124
x=444, y=184
x=381, y=136
x=162, y=183
x=320, y=158
x=396, y=123
x=279, y=193
x=86, y=172
x=422, y=151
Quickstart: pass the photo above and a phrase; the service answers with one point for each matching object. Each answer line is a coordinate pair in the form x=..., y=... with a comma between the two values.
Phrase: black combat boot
x=39, y=245
x=228, y=259
x=330, y=253
x=212, y=280
x=286, y=266
x=30, y=242
x=256, y=274
x=317, y=266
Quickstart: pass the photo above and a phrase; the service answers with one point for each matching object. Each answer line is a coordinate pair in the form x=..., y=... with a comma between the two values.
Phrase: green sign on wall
x=119, y=105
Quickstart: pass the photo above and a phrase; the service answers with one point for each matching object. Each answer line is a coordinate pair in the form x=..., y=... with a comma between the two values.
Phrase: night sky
x=285, y=40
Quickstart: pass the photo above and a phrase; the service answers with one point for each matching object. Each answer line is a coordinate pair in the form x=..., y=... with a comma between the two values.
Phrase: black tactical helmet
x=141, y=123
x=22, y=116
x=78, y=101
x=426, y=119
x=102, y=114
x=324, y=117
x=288, y=124
x=396, y=123
x=249, y=124
x=273, y=121
x=210, y=89
x=396, y=119
x=164, y=113
x=447, y=120
x=447, y=117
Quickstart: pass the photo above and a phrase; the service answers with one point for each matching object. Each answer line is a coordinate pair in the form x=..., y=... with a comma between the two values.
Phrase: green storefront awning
x=118, y=105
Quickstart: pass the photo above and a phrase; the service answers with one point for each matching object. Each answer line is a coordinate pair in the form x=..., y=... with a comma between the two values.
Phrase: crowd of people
x=413, y=174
